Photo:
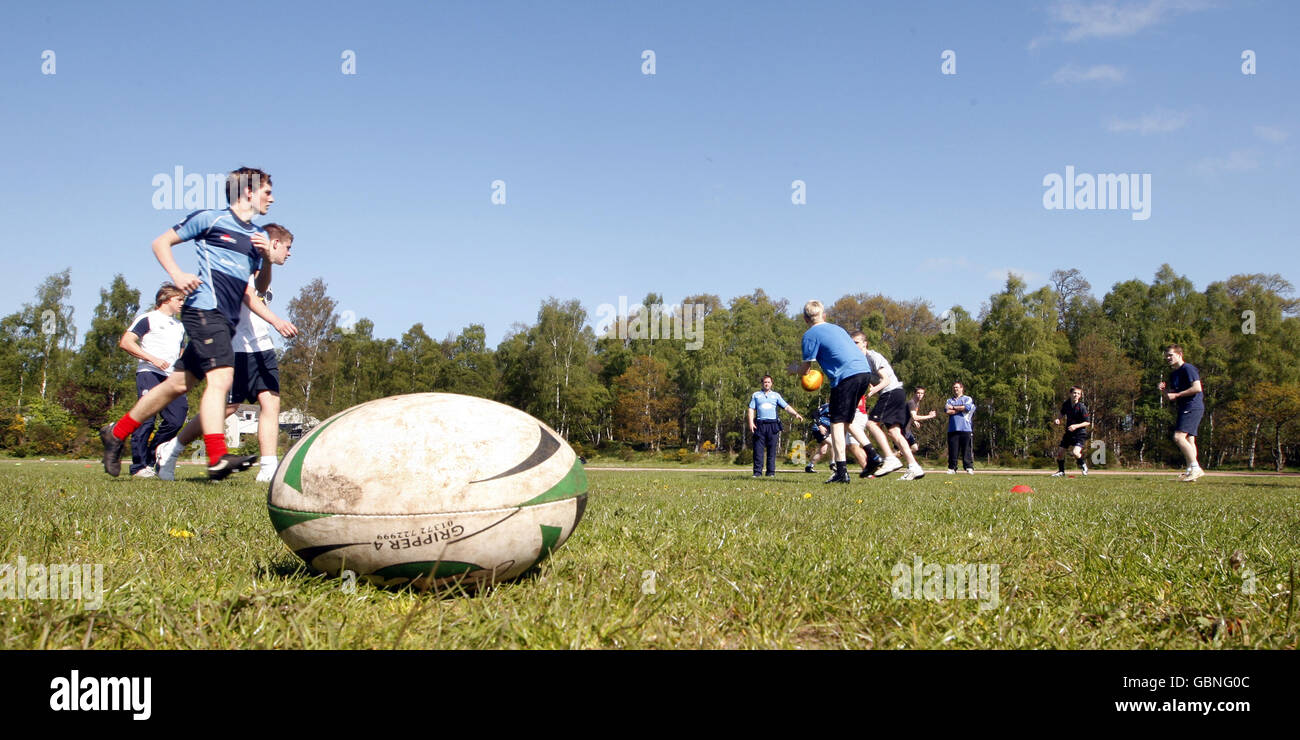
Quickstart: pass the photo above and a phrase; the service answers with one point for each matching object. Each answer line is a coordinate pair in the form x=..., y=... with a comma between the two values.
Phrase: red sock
x=125, y=427
x=216, y=445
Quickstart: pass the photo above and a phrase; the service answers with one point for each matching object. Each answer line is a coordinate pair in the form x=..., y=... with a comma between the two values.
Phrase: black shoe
x=839, y=477
x=809, y=468
x=872, y=466
x=112, y=451
x=230, y=464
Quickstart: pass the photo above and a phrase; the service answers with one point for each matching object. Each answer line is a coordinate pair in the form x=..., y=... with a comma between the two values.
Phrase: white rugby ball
x=426, y=489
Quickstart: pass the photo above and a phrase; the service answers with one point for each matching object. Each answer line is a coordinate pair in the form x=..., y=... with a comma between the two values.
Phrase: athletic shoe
x=891, y=464
x=1057, y=474
x=144, y=473
x=970, y=471
x=1183, y=475
x=266, y=475
x=951, y=471
x=229, y=464
x=168, y=453
x=914, y=472
x=809, y=468
x=839, y=477
x=1196, y=473
x=112, y=451
x=756, y=475
x=1084, y=469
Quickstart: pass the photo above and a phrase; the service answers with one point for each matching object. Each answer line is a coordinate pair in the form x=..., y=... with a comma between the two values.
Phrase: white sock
x=269, y=462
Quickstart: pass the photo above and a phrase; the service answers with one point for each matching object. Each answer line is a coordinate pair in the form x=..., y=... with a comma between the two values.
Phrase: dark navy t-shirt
x=1182, y=379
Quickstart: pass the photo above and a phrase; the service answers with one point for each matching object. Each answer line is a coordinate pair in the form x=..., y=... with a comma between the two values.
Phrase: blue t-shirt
x=823, y=416
x=1182, y=379
x=765, y=403
x=960, y=422
x=834, y=350
x=227, y=259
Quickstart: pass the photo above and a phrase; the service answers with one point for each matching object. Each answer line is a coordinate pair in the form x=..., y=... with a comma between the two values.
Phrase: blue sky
x=919, y=184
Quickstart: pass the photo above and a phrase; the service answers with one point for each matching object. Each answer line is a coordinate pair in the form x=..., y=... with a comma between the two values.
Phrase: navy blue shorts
x=254, y=372
x=1189, y=420
x=1078, y=438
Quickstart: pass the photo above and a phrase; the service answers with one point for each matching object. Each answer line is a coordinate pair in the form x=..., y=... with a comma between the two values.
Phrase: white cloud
x=1272, y=134
x=1070, y=74
x=1159, y=122
x=1112, y=19
x=1237, y=161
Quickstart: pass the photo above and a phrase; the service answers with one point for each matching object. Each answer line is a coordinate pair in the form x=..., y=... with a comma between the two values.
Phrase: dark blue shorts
x=254, y=372
x=1189, y=420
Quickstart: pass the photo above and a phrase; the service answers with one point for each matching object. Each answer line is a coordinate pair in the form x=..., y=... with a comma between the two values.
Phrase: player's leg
x=758, y=449
x=1077, y=452
x=1059, y=454
x=773, y=444
x=146, y=407
x=968, y=451
x=914, y=470
x=140, y=452
x=173, y=420
x=859, y=454
x=268, y=422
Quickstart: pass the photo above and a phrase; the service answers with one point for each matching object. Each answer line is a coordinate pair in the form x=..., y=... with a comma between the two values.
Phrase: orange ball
x=811, y=380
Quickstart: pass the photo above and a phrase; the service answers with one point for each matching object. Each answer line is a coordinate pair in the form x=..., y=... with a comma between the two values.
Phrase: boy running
x=1077, y=423
x=257, y=375
x=230, y=249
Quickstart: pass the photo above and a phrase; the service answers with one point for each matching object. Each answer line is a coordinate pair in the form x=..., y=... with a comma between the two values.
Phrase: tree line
x=1017, y=357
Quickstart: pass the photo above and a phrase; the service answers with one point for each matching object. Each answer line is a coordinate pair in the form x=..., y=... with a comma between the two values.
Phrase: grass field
x=691, y=559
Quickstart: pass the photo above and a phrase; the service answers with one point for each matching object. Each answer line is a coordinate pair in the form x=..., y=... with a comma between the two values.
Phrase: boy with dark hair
x=1184, y=389
x=1077, y=423
x=230, y=248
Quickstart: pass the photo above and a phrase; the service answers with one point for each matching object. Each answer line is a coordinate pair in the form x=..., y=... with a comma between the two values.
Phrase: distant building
x=244, y=421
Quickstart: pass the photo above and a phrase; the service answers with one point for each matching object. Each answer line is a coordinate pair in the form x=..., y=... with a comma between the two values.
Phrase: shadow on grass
x=293, y=570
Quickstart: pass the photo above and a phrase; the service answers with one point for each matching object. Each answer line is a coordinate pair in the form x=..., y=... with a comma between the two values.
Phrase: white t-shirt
x=253, y=335
x=160, y=335
x=879, y=363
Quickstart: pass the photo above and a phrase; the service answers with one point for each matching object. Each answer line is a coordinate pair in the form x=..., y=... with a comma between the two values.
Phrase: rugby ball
x=811, y=380
x=428, y=489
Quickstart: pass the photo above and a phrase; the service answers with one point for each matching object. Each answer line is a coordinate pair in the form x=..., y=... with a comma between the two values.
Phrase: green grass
x=1101, y=562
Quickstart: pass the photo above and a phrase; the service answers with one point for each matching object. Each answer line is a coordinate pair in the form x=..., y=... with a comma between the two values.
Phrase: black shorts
x=210, y=345
x=845, y=395
x=254, y=372
x=911, y=438
x=1074, y=439
x=820, y=437
x=891, y=409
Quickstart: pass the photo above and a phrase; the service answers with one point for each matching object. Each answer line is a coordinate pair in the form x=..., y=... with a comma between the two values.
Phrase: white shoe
x=914, y=472
x=1058, y=474
x=144, y=473
x=265, y=475
x=891, y=464
x=970, y=471
x=1084, y=469
x=1195, y=473
x=168, y=453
